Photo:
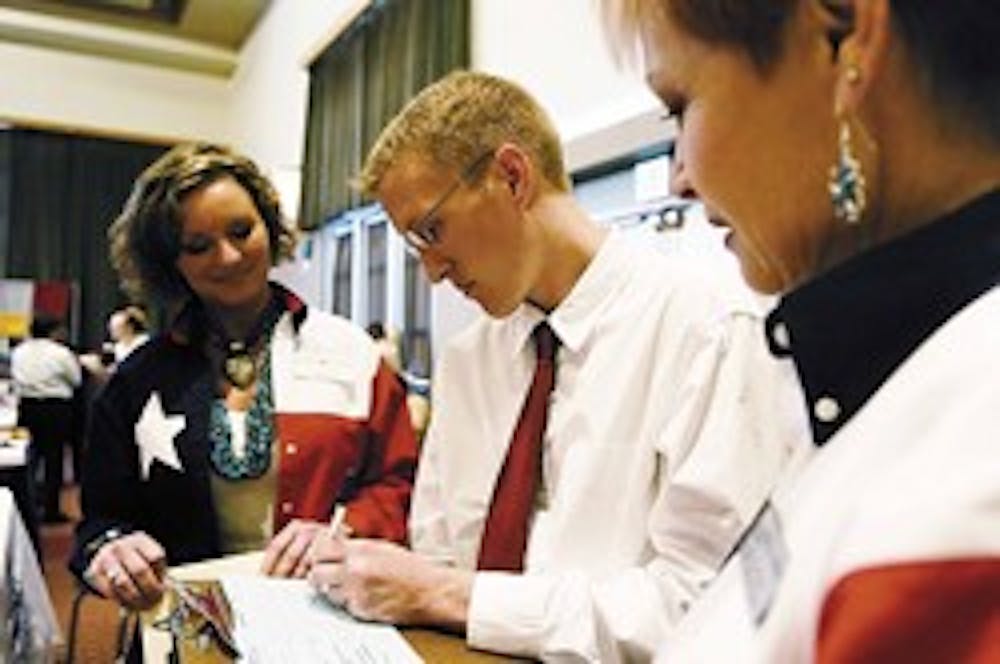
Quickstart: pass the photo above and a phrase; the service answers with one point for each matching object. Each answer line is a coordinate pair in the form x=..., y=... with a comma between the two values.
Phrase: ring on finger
x=114, y=576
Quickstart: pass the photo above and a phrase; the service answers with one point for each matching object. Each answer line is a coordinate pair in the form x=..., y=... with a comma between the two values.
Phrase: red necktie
x=505, y=534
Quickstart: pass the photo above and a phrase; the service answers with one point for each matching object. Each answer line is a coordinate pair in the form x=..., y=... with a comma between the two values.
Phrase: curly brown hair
x=145, y=238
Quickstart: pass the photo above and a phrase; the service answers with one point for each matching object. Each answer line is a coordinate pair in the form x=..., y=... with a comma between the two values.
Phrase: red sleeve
x=382, y=503
x=935, y=611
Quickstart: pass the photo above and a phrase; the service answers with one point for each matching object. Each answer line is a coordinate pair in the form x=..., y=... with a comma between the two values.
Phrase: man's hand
x=289, y=553
x=377, y=580
x=130, y=570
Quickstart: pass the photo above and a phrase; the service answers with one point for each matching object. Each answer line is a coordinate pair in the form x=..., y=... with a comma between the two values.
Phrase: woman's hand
x=290, y=552
x=130, y=570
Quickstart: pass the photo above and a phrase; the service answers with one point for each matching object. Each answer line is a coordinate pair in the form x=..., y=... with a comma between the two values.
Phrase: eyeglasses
x=425, y=232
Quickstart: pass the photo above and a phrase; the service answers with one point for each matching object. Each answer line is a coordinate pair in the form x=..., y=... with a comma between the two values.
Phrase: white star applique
x=154, y=434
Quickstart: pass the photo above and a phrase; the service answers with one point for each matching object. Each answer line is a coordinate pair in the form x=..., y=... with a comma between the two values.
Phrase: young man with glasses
x=663, y=431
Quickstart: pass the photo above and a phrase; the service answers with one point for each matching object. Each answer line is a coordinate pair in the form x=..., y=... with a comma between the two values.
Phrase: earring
x=847, y=183
x=853, y=74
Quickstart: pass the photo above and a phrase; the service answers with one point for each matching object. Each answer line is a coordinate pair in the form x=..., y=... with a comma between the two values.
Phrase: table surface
x=14, y=443
x=430, y=645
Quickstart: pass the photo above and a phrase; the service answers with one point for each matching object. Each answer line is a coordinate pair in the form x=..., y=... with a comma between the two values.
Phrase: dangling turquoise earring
x=847, y=187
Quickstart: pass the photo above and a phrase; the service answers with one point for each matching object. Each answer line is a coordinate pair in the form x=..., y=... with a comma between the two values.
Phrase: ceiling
x=203, y=36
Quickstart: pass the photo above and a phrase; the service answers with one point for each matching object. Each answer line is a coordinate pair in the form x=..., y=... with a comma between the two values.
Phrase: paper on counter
x=285, y=620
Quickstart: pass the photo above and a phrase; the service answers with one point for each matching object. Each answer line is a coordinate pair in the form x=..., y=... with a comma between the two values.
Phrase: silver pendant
x=240, y=370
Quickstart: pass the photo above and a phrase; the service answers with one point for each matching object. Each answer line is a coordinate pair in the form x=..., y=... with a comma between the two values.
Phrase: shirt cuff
x=507, y=613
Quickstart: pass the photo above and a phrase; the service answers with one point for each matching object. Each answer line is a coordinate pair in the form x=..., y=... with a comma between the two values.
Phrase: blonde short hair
x=462, y=117
x=623, y=21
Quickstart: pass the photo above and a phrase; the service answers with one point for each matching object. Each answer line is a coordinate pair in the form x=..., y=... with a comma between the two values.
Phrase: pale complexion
x=225, y=253
x=753, y=145
x=756, y=144
x=506, y=240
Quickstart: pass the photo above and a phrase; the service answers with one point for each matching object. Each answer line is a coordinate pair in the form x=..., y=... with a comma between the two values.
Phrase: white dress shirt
x=44, y=369
x=123, y=349
x=668, y=424
x=912, y=478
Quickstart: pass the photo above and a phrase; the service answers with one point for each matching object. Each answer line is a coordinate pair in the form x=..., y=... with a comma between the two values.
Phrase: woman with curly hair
x=244, y=423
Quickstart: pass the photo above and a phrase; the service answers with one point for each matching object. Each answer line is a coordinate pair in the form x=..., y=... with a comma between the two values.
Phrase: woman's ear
x=517, y=171
x=861, y=53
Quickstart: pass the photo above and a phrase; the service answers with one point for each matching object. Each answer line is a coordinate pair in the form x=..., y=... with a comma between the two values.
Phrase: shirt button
x=287, y=507
x=780, y=336
x=826, y=409
x=291, y=448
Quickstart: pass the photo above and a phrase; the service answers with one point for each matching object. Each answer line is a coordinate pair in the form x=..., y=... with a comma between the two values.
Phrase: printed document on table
x=285, y=620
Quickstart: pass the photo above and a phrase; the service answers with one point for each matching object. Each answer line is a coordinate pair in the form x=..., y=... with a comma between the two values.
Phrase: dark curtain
x=65, y=190
x=362, y=80
x=5, y=141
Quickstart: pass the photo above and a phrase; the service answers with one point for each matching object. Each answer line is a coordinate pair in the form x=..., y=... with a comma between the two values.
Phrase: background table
x=28, y=628
x=15, y=474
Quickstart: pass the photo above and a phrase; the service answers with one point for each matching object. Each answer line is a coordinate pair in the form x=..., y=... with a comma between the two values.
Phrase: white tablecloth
x=14, y=446
x=28, y=628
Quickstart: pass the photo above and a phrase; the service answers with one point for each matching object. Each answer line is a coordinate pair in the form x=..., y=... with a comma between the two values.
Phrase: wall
x=65, y=90
x=270, y=88
x=261, y=109
x=5, y=171
x=560, y=55
x=269, y=101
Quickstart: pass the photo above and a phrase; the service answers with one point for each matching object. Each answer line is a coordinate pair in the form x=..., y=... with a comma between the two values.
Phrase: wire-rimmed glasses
x=425, y=232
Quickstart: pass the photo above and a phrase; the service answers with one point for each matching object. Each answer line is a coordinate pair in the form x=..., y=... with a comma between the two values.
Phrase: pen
x=337, y=520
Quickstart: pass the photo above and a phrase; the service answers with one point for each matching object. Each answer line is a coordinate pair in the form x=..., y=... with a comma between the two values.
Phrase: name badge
x=322, y=367
x=763, y=556
x=322, y=383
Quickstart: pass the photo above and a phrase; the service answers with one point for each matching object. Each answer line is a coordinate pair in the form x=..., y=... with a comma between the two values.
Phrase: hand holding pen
x=338, y=525
x=328, y=552
x=290, y=553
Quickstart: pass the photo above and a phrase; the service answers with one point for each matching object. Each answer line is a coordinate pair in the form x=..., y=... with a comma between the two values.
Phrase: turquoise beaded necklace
x=259, y=423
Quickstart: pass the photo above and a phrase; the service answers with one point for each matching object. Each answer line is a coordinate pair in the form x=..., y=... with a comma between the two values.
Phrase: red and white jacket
x=342, y=428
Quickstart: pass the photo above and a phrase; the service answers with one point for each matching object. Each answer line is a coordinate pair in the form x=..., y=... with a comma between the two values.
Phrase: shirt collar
x=576, y=317
x=186, y=326
x=849, y=329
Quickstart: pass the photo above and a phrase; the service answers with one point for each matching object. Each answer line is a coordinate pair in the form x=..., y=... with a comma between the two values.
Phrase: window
x=417, y=312
x=373, y=279
x=342, y=275
x=377, y=260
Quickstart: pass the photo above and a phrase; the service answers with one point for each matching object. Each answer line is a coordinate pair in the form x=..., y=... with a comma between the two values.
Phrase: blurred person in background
x=46, y=373
x=243, y=423
x=387, y=342
x=128, y=328
x=853, y=149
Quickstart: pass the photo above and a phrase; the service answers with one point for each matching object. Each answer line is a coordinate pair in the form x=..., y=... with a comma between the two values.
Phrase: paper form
x=285, y=620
